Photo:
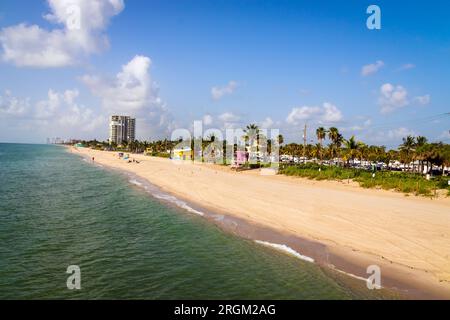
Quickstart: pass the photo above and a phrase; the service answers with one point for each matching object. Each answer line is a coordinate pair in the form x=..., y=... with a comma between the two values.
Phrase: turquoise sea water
x=57, y=210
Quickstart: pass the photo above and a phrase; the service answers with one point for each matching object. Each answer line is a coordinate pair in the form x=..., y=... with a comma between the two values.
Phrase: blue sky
x=276, y=63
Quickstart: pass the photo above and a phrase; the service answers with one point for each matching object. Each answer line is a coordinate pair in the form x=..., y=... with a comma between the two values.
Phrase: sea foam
x=165, y=197
x=286, y=249
x=177, y=202
x=135, y=182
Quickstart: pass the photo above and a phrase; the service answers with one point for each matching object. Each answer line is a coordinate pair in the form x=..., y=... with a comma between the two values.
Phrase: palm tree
x=280, y=139
x=407, y=149
x=252, y=134
x=352, y=147
x=420, y=152
x=321, y=134
x=316, y=151
x=333, y=133
x=308, y=151
x=336, y=139
x=421, y=140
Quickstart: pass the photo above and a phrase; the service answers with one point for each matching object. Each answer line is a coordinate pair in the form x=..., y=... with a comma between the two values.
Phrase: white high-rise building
x=122, y=129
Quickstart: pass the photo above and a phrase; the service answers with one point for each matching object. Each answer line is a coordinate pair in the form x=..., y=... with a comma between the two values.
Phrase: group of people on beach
x=133, y=161
x=127, y=157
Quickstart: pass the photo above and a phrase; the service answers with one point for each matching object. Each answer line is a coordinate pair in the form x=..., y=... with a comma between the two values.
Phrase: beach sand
x=340, y=225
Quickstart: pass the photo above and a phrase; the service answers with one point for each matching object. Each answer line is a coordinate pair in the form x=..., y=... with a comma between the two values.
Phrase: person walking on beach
x=93, y=159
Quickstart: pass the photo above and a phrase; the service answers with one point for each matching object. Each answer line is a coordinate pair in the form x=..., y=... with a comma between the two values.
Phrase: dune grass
x=387, y=180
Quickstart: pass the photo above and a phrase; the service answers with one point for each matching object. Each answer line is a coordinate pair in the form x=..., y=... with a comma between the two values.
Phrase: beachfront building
x=122, y=129
x=184, y=153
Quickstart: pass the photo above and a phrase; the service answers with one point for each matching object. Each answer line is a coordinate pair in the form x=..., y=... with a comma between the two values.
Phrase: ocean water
x=57, y=210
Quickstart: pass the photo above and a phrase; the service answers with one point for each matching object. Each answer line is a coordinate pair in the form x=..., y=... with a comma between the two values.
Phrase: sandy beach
x=342, y=225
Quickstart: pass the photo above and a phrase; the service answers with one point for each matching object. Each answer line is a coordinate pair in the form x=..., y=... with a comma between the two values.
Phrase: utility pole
x=304, y=144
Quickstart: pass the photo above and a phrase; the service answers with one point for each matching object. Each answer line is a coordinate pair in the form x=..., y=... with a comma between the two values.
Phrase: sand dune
x=409, y=237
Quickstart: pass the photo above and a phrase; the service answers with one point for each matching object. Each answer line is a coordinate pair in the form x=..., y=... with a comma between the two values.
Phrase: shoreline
x=403, y=279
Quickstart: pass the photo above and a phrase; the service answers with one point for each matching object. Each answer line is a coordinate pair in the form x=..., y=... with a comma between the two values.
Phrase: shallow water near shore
x=132, y=241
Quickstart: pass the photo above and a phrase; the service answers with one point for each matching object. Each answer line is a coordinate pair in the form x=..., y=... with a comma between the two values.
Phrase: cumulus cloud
x=47, y=108
x=11, y=106
x=267, y=123
x=331, y=113
x=392, y=98
x=129, y=91
x=218, y=93
x=229, y=117
x=80, y=32
x=60, y=110
x=207, y=119
x=302, y=113
x=133, y=92
x=371, y=68
x=327, y=113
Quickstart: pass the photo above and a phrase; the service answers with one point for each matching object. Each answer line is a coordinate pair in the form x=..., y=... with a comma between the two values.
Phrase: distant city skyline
x=279, y=64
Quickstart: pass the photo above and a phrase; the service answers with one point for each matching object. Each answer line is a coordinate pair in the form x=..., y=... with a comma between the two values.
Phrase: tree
x=351, y=148
x=407, y=149
x=252, y=134
x=336, y=141
x=420, y=150
x=321, y=134
x=280, y=139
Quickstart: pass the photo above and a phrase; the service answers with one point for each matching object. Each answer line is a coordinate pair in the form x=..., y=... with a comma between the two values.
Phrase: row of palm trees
x=415, y=150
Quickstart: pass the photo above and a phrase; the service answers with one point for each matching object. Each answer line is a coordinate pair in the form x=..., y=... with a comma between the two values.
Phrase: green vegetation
x=388, y=180
x=416, y=155
x=402, y=170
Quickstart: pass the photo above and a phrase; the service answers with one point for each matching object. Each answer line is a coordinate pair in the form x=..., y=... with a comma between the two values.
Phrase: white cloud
x=47, y=108
x=218, y=93
x=207, y=119
x=371, y=68
x=11, y=106
x=267, y=123
x=76, y=37
x=364, y=125
x=63, y=110
x=302, y=113
x=328, y=113
x=132, y=92
x=229, y=117
x=331, y=113
x=392, y=98
x=423, y=100
x=399, y=133
x=59, y=112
